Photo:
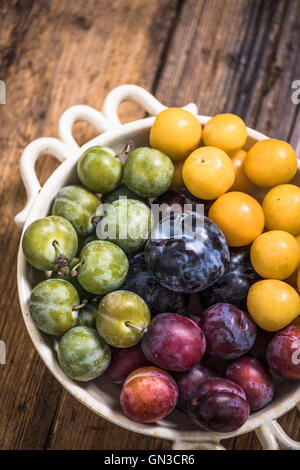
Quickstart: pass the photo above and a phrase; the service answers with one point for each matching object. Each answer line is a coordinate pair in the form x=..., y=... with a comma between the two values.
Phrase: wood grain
x=240, y=58
x=56, y=54
x=230, y=55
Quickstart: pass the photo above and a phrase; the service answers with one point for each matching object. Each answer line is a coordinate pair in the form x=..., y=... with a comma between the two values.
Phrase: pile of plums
x=167, y=304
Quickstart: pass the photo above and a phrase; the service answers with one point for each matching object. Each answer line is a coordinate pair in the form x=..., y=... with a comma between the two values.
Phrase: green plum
x=126, y=222
x=53, y=306
x=99, y=169
x=82, y=354
x=87, y=315
x=78, y=206
x=122, y=318
x=50, y=243
x=148, y=172
x=103, y=267
x=122, y=191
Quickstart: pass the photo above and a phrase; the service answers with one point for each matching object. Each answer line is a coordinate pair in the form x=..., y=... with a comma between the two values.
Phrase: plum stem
x=126, y=150
x=61, y=266
x=83, y=304
x=73, y=271
x=135, y=327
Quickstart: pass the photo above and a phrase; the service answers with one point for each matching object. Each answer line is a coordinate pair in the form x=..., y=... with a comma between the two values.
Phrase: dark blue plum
x=176, y=200
x=229, y=332
x=235, y=283
x=187, y=260
x=159, y=299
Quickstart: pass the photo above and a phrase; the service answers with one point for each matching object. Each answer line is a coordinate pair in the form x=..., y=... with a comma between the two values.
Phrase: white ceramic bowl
x=101, y=396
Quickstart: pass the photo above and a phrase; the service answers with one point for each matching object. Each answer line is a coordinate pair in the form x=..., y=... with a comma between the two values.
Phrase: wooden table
x=237, y=56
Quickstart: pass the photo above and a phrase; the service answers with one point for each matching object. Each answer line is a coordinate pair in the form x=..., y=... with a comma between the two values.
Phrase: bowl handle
x=67, y=146
x=272, y=437
x=61, y=149
x=137, y=94
x=80, y=113
x=109, y=119
x=45, y=145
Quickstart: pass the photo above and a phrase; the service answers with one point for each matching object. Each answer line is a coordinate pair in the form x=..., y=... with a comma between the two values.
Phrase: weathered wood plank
x=55, y=54
x=78, y=428
x=240, y=58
